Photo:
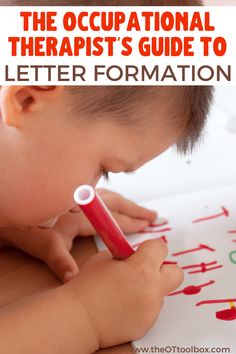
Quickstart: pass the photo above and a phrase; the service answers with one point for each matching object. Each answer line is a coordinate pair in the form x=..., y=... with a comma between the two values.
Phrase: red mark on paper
x=146, y=231
x=203, y=267
x=224, y=212
x=192, y=289
x=221, y=301
x=199, y=248
x=232, y=232
x=164, y=238
x=226, y=314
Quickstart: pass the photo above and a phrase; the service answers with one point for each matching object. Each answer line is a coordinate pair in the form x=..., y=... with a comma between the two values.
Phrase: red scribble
x=154, y=231
x=225, y=212
x=203, y=266
x=233, y=240
x=199, y=265
x=232, y=232
x=192, y=289
x=164, y=238
x=226, y=314
x=221, y=301
x=169, y=262
x=159, y=225
x=201, y=271
x=200, y=247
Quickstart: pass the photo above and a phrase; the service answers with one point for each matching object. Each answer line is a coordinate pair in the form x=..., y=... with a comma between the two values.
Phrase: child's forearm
x=54, y=322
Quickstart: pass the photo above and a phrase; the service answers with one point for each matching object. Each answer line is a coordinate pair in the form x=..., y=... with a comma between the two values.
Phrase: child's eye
x=105, y=175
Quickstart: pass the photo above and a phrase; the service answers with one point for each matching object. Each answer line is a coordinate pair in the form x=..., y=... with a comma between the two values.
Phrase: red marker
x=97, y=213
x=100, y=217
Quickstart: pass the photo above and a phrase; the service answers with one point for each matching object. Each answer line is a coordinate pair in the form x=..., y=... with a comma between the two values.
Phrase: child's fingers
x=116, y=202
x=151, y=251
x=71, y=225
x=129, y=225
x=60, y=261
x=172, y=277
x=46, y=245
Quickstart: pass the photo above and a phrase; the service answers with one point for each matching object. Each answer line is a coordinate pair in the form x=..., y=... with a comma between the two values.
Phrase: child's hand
x=53, y=245
x=123, y=298
x=49, y=245
x=130, y=217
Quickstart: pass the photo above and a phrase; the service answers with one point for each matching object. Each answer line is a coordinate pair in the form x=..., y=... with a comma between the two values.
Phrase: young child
x=53, y=139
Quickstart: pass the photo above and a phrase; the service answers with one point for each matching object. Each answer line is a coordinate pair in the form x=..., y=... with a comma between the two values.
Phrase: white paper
x=181, y=323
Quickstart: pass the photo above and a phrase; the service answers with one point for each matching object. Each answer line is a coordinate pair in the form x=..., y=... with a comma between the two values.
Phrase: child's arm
x=52, y=323
x=53, y=245
x=109, y=302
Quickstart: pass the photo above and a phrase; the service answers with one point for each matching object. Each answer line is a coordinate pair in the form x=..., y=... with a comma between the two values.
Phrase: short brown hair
x=186, y=107
x=189, y=104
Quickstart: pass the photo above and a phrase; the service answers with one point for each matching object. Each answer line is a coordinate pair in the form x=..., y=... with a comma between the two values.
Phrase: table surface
x=22, y=276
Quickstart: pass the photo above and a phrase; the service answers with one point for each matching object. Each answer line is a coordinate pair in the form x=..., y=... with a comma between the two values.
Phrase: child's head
x=53, y=139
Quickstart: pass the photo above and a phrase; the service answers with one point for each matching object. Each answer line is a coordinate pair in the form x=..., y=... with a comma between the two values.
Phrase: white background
x=213, y=163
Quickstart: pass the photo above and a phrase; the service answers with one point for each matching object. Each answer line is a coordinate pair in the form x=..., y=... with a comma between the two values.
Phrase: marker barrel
x=99, y=216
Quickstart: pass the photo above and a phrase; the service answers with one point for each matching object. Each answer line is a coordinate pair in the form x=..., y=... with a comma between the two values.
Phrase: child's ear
x=16, y=101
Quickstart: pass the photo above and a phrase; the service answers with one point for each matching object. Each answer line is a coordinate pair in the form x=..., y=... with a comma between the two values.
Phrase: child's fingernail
x=149, y=211
x=67, y=276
